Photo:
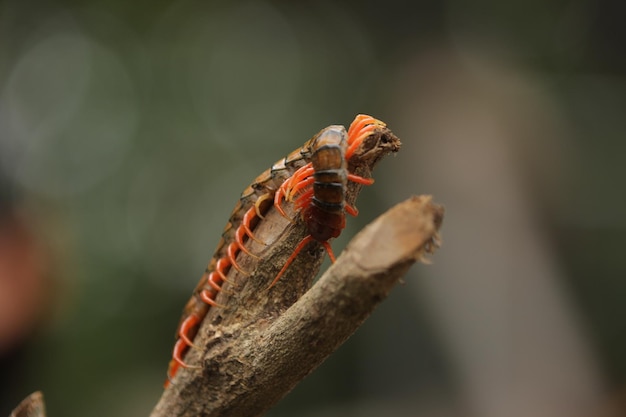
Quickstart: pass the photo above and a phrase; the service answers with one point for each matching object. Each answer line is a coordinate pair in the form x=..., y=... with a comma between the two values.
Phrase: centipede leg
x=251, y=235
x=351, y=210
x=186, y=326
x=360, y=180
x=279, y=207
x=359, y=122
x=302, y=184
x=284, y=191
x=257, y=205
x=295, y=253
x=249, y=217
x=177, y=360
x=215, y=280
x=180, y=347
x=212, y=280
x=179, y=350
x=329, y=249
x=359, y=131
x=209, y=298
x=239, y=234
x=171, y=372
x=357, y=142
x=300, y=179
x=304, y=199
x=220, y=268
x=232, y=254
x=279, y=196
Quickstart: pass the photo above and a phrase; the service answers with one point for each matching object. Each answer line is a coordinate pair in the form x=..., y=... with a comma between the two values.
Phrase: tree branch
x=31, y=406
x=248, y=368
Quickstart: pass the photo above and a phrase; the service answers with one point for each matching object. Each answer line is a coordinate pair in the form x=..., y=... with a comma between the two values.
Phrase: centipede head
x=375, y=147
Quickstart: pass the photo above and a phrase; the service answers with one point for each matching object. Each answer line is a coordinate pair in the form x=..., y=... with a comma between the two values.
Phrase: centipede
x=318, y=190
x=313, y=175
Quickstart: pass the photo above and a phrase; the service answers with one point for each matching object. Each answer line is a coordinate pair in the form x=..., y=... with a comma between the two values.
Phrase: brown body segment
x=323, y=212
x=321, y=161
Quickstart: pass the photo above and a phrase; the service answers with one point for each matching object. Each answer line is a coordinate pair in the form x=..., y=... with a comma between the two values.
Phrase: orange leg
x=359, y=121
x=360, y=129
x=351, y=210
x=186, y=326
x=304, y=199
x=247, y=218
x=299, y=186
x=181, y=346
x=360, y=180
x=281, y=194
x=214, y=281
x=239, y=235
x=179, y=350
x=257, y=205
x=232, y=250
x=220, y=268
x=295, y=253
x=171, y=372
x=278, y=199
x=177, y=361
x=284, y=191
x=177, y=358
x=184, y=342
x=364, y=133
x=209, y=297
x=331, y=255
x=300, y=179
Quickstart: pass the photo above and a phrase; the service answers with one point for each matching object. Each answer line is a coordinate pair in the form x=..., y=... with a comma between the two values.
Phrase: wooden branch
x=31, y=406
x=249, y=367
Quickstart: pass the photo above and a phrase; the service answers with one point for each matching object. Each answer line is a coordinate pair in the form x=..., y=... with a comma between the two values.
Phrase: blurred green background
x=128, y=130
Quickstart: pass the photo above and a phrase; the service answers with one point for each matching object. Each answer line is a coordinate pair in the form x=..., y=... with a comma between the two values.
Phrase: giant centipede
x=329, y=150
